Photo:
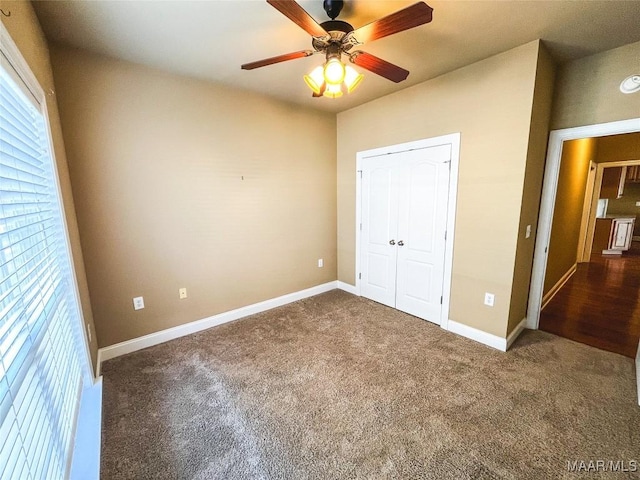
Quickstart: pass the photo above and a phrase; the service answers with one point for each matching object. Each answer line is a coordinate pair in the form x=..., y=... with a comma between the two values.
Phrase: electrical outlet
x=320, y=263
x=528, y=233
x=182, y=293
x=637, y=204
x=138, y=303
x=489, y=298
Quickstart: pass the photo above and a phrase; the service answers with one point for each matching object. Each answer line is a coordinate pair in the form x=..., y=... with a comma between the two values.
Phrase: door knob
x=392, y=242
x=400, y=243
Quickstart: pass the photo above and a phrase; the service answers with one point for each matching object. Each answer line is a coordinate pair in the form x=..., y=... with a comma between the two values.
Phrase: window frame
x=11, y=52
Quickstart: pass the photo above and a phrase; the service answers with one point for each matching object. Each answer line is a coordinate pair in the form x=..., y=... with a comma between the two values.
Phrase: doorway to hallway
x=585, y=296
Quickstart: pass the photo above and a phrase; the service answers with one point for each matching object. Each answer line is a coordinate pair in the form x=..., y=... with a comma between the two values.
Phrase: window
x=43, y=358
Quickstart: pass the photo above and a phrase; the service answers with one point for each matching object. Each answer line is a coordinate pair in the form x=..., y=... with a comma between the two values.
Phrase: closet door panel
x=379, y=228
x=422, y=198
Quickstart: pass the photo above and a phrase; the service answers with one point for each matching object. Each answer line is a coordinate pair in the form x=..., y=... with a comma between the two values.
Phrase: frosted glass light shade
x=315, y=79
x=352, y=78
x=333, y=91
x=334, y=71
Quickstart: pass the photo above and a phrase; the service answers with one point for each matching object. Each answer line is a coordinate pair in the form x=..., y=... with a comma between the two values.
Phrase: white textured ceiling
x=211, y=39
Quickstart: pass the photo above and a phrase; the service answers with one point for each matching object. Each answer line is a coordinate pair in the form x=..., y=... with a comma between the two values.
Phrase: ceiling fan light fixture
x=315, y=79
x=352, y=78
x=334, y=71
x=335, y=38
x=333, y=90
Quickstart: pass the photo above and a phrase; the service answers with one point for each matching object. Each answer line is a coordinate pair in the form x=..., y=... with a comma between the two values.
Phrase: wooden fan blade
x=380, y=67
x=299, y=16
x=278, y=59
x=410, y=17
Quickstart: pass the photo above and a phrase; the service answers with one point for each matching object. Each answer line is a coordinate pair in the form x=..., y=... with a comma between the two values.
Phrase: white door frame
x=452, y=139
x=547, y=203
x=587, y=210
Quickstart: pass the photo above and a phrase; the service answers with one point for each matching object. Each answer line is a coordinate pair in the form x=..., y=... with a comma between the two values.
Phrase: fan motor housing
x=337, y=30
x=337, y=26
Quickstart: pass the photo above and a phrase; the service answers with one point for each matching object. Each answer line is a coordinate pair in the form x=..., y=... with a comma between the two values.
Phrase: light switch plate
x=320, y=263
x=528, y=233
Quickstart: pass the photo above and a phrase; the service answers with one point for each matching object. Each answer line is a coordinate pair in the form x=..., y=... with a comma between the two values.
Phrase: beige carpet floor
x=337, y=386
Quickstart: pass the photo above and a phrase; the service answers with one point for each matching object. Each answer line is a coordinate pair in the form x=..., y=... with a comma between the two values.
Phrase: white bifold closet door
x=404, y=219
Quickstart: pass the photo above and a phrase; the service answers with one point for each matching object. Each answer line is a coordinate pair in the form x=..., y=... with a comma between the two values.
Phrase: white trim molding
x=135, y=344
x=452, y=139
x=156, y=338
x=515, y=333
x=548, y=200
x=494, y=341
x=347, y=287
x=12, y=54
x=559, y=284
x=485, y=338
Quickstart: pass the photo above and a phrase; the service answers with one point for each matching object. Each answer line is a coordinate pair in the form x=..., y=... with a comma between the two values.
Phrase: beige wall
x=490, y=103
x=183, y=183
x=588, y=89
x=536, y=154
x=567, y=213
x=25, y=30
x=617, y=148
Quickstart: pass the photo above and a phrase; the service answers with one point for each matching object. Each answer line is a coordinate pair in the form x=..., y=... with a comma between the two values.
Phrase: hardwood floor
x=600, y=304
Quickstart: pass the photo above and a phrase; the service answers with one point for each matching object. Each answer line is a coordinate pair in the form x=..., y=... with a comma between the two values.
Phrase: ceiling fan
x=335, y=38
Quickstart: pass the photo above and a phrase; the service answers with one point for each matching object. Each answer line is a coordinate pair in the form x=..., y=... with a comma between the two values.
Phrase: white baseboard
x=559, y=284
x=488, y=339
x=515, y=333
x=347, y=287
x=162, y=336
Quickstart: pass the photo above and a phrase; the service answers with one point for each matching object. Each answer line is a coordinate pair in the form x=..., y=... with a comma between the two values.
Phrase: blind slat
x=19, y=162
x=14, y=135
x=10, y=99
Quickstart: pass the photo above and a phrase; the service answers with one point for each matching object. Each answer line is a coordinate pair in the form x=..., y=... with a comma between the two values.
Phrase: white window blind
x=42, y=361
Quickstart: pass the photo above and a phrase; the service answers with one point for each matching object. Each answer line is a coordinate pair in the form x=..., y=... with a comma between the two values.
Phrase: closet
x=404, y=220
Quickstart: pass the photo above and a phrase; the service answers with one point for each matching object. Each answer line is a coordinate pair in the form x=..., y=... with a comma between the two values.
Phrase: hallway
x=600, y=304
